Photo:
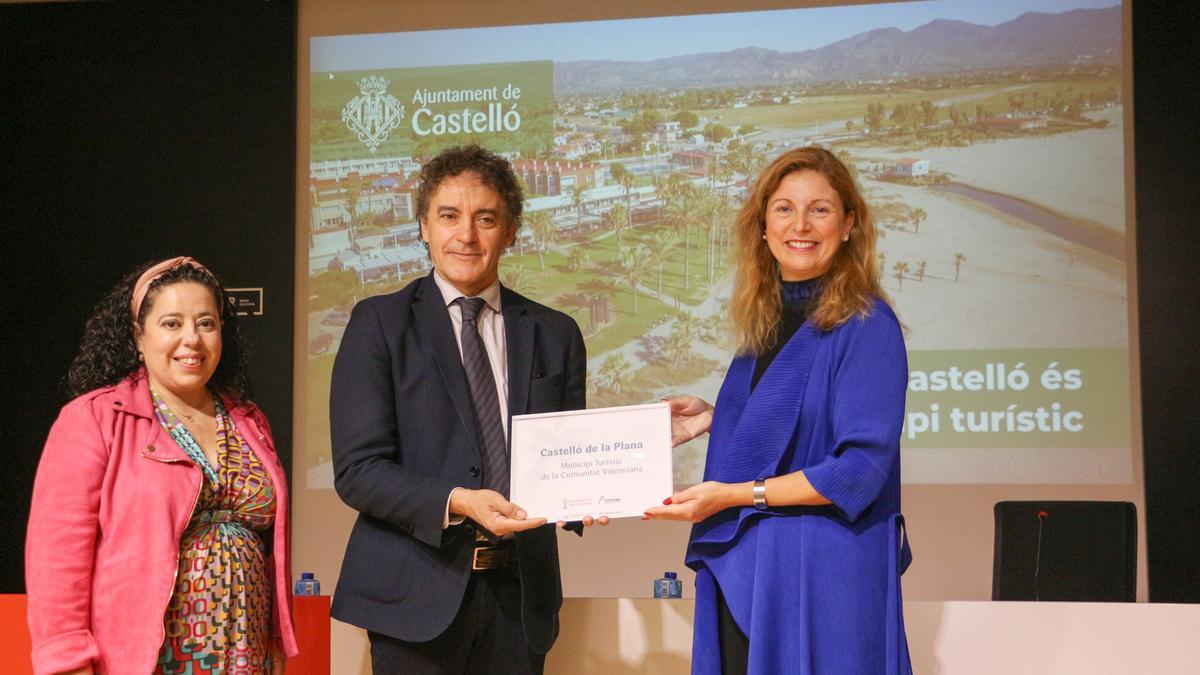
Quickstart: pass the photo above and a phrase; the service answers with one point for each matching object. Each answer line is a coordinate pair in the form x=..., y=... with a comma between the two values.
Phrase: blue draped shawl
x=817, y=588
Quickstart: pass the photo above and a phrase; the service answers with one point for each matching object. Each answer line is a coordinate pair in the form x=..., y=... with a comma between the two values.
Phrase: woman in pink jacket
x=158, y=538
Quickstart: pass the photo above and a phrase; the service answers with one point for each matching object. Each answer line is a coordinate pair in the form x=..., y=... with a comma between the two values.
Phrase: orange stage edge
x=312, y=633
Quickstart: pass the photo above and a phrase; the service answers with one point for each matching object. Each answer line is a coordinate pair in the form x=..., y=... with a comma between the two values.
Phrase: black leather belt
x=489, y=556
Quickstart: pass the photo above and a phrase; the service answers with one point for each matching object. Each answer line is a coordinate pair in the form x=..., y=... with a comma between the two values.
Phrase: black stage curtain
x=133, y=131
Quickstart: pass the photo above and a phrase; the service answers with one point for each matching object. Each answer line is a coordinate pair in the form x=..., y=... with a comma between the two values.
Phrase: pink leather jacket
x=112, y=497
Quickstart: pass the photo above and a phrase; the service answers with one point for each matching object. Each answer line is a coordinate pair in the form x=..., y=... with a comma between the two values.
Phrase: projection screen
x=991, y=140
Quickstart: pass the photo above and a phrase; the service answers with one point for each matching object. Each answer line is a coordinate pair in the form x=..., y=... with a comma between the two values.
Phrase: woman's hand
x=690, y=417
x=701, y=501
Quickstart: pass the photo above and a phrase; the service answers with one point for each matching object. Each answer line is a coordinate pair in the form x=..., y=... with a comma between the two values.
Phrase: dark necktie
x=483, y=395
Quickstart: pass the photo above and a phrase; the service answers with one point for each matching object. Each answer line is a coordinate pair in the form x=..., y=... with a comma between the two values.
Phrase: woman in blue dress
x=798, y=542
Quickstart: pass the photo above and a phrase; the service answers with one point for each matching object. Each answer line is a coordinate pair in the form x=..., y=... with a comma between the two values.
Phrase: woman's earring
x=764, y=236
x=141, y=356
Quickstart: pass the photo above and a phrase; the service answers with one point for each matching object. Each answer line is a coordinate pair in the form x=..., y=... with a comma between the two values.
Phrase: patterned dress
x=220, y=615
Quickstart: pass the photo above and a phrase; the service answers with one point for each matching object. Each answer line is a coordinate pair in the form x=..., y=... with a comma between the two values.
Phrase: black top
x=798, y=300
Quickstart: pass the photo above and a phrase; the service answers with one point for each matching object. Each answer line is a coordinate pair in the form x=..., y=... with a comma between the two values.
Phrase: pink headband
x=149, y=276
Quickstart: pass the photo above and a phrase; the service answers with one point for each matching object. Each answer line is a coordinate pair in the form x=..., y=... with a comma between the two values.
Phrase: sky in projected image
x=656, y=38
x=989, y=140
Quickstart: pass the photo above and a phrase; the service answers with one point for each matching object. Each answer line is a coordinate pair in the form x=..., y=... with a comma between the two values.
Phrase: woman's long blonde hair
x=850, y=285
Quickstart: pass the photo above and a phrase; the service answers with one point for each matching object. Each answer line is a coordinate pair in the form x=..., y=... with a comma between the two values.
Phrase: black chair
x=1065, y=550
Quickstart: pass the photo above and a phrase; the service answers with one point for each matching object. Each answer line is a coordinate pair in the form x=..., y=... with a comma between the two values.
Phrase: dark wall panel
x=1167, y=109
x=131, y=132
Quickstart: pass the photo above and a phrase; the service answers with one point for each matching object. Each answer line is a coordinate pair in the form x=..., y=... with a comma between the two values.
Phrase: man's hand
x=587, y=521
x=690, y=417
x=491, y=511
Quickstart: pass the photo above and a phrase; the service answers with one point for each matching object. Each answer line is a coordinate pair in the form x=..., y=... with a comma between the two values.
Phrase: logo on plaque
x=373, y=113
x=245, y=301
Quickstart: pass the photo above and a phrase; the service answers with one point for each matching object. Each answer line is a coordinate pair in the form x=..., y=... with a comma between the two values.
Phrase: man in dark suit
x=445, y=573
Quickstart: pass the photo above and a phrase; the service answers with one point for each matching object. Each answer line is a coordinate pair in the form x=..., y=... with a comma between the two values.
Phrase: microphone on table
x=1037, y=560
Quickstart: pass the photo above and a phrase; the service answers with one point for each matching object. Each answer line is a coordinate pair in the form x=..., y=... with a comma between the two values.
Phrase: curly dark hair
x=492, y=169
x=108, y=352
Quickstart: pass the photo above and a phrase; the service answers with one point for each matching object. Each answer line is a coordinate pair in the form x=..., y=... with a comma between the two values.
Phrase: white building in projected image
x=910, y=167
x=337, y=169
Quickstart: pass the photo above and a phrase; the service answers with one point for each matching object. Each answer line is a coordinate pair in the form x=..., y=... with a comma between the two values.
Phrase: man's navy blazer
x=404, y=434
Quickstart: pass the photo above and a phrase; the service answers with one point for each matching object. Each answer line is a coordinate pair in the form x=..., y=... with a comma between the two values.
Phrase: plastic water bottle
x=668, y=587
x=307, y=585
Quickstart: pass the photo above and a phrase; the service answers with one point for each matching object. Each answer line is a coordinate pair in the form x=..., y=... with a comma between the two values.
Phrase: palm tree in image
x=626, y=179
x=900, y=269
x=684, y=334
x=627, y=183
x=882, y=262
x=600, y=290
x=959, y=259
x=619, y=216
x=679, y=214
x=724, y=229
x=517, y=278
x=660, y=196
x=921, y=271
x=575, y=301
x=618, y=171
x=544, y=230
x=677, y=347
x=745, y=159
x=614, y=372
x=634, y=261
x=713, y=209
x=681, y=209
x=705, y=207
x=353, y=191
x=723, y=172
x=721, y=225
x=660, y=245
x=577, y=257
x=917, y=216
x=608, y=147
x=577, y=204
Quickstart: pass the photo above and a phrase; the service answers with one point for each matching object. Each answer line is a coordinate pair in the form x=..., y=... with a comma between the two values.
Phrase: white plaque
x=613, y=462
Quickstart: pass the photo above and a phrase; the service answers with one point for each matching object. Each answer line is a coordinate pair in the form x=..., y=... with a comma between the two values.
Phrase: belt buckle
x=490, y=557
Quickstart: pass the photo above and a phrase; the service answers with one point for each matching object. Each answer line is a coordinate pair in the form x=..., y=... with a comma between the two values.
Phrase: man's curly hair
x=492, y=169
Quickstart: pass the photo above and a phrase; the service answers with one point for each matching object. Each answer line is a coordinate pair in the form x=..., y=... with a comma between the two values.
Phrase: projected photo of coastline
x=990, y=142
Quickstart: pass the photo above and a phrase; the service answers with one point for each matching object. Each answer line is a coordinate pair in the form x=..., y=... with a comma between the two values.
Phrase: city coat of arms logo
x=374, y=113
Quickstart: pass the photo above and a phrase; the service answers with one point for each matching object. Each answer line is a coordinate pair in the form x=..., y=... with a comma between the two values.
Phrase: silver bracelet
x=760, y=494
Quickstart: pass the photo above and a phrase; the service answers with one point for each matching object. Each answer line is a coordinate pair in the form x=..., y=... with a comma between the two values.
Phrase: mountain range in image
x=1035, y=39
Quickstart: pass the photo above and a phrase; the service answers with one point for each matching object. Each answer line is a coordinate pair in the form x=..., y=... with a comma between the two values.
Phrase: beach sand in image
x=1018, y=286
